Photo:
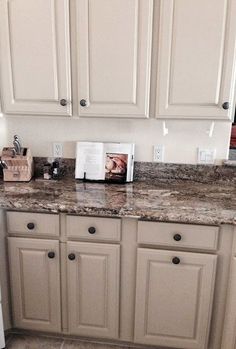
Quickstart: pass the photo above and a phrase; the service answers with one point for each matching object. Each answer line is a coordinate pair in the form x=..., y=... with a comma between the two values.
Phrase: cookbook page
x=118, y=162
x=90, y=161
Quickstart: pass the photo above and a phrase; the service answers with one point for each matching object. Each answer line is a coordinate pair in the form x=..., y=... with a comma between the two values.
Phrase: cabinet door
x=34, y=55
x=174, y=301
x=35, y=284
x=196, y=65
x=229, y=332
x=2, y=339
x=93, y=289
x=114, y=57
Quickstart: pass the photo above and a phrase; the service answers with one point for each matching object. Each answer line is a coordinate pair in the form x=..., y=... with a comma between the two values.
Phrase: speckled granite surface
x=198, y=173
x=169, y=200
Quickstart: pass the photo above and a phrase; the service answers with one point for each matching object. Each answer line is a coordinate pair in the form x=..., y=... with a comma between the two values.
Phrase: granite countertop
x=170, y=200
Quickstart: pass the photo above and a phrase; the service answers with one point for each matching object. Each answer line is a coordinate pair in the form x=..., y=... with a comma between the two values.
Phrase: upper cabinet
x=196, y=59
x=193, y=70
x=114, y=57
x=35, y=57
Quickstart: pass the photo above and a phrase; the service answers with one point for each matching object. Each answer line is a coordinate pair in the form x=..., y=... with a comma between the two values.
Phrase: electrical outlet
x=57, y=150
x=206, y=156
x=158, y=153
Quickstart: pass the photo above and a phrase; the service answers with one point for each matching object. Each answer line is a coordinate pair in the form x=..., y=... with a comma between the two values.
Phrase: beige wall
x=181, y=143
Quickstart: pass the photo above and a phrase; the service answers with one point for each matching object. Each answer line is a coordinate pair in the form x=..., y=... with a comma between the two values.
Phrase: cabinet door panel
x=35, y=68
x=2, y=337
x=93, y=289
x=114, y=54
x=35, y=280
x=196, y=58
x=173, y=302
x=229, y=332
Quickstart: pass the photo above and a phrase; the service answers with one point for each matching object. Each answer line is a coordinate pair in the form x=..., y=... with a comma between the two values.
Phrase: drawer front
x=32, y=223
x=93, y=228
x=182, y=235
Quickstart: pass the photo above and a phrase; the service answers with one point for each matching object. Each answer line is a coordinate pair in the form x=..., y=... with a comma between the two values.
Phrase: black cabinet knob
x=176, y=260
x=92, y=230
x=225, y=105
x=71, y=256
x=177, y=237
x=63, y=102
x=51, y=254
x=30, y=226
x=83, y=103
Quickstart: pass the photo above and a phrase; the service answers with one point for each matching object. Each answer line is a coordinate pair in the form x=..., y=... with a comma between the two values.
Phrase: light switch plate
x=206, y=156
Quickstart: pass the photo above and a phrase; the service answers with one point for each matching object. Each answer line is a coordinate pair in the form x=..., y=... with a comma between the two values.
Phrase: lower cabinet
x=93, y=289
x=35, y=283
x=229, y=332
x=74, y=286
x=174, y=295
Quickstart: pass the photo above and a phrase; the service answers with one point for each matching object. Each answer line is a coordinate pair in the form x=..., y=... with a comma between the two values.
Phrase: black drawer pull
x=51, y=254
x=177, y=237
x=30, y=226
x=83, y=103
x=63, y=102
x=225, y=105
x=71, y=256
x=176, y=260
x=92, y=230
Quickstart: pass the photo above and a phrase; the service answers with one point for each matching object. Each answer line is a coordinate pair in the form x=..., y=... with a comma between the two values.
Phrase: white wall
x=181, y=143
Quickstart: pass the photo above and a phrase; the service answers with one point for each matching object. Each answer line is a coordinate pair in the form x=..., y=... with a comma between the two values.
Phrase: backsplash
x=150, y=171
x=68, y=166
x=198, y=173
x=232, y=154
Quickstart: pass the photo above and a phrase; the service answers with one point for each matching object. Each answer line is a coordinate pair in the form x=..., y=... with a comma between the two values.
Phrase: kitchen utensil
x=3, y=164
x=16, y=138
x=17, y=146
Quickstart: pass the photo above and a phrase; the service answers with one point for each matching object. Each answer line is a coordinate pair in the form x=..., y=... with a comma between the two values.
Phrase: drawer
x=33, y=223
x=181, y=235
x=93, y=228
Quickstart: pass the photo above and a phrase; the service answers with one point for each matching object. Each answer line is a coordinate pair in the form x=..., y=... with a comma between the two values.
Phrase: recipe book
x=110, y=162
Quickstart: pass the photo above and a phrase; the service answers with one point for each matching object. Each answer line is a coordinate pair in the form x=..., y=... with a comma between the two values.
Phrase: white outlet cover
x=206, y=156
x=57, y=149
x=158, y=153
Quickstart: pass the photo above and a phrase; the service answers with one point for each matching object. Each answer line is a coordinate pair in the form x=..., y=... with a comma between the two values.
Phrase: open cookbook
x=110, y=162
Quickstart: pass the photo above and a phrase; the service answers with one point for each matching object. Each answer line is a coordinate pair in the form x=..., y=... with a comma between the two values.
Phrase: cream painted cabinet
x=114, y=57
x=174, y=295
x=196, y=59
x=229, y=333
x=93, y=289
x=35, y=284
x=35, y=57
